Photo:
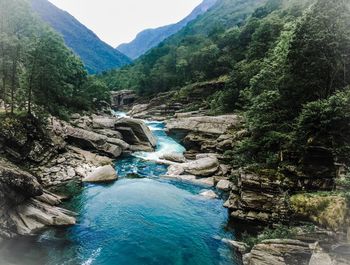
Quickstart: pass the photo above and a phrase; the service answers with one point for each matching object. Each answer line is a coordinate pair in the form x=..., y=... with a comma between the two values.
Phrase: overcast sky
x=118, y=21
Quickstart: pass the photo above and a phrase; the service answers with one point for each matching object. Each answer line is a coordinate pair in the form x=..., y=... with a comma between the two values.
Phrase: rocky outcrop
x=204, y=124
x=25, y=206
x=265, y=196
x=279, y=252
x=136, y=133
x=259, y=198
x=92, y=141
x=102, y=174
x=74, y=164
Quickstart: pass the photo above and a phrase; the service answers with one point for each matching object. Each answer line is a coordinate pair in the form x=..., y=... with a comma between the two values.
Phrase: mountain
x=150, y=38
x=96, y=54
x=198, y=52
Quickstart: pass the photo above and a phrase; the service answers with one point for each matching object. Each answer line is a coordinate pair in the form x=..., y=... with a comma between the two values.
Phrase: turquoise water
x=139, y=220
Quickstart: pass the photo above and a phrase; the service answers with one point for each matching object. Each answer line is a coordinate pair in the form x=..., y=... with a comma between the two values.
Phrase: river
x=141, y=219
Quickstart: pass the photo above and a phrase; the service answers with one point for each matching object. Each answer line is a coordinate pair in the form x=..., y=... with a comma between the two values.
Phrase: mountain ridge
x=150, y=38
x=97, y=55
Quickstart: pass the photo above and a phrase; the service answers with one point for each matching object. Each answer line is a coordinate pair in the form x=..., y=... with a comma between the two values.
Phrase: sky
x=119, y=21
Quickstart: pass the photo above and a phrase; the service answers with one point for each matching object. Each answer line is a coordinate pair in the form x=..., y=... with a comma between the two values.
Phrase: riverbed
x=141, y=219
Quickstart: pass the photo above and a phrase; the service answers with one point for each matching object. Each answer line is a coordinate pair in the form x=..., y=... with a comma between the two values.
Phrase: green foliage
x=278, y=232
x=326, y=123
x=318, y=53
x=199, y=52
x=38, y=73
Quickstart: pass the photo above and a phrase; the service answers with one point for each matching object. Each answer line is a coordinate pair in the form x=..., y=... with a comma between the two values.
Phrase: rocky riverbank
x=265, y=198
x=84, y=149
x=52, y=154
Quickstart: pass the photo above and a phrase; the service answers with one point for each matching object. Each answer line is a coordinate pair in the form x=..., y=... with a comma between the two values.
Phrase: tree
x=319, y=53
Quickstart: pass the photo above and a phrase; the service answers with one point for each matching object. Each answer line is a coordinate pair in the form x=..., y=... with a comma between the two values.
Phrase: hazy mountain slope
x=96, y=54
x=150, y=38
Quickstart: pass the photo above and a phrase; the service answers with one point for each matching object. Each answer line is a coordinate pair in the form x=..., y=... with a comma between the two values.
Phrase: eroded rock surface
x=279, y=252
x=204, y=124
x=25, y=206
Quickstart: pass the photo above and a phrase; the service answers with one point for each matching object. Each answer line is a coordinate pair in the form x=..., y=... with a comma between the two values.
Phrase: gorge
x=228, y=143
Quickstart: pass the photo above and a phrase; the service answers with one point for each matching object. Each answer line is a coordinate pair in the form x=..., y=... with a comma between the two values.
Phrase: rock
x=84, y=138
x=319, y=257
x=101, y=122
x=279, y=252
x=102, y=174
x=209, y=194
x=110, y=133
x=174, y=157
x=205, y=124
x=92, y=141
x=24, y=205
x=224, y=185
x=141, y=133
x=137, y=109
x=120, y=143
x=204, y=167
x=208, y=182
x=61, y=160
x=175, y=170
x=237, y=246
x=70, y=172
x=260, y=198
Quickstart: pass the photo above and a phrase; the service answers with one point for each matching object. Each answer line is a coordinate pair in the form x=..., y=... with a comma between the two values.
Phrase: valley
x=225, y=142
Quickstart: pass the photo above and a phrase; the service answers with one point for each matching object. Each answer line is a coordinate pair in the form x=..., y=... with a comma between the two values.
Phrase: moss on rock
x=329, y=210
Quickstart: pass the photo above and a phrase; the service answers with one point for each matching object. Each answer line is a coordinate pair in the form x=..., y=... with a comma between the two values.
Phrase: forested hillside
x=284, y=65
x=150, y=38
x=193, y=54
x=38, y=73
x=96, y=55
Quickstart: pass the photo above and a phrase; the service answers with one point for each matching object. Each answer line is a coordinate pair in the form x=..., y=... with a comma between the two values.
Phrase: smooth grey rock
x=174, y=157
x=202, y=167
x=143, y=134
x=224, y=185
x=102, y=174
x=209, y=194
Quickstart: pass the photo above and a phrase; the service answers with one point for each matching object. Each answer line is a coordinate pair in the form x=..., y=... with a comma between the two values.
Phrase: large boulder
x=204, y=167
x=102, y=174
x=204, y=124
x=92, y=141
x=135, y=132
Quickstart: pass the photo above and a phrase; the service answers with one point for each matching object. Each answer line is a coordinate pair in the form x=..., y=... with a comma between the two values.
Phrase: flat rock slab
x=205, y=124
